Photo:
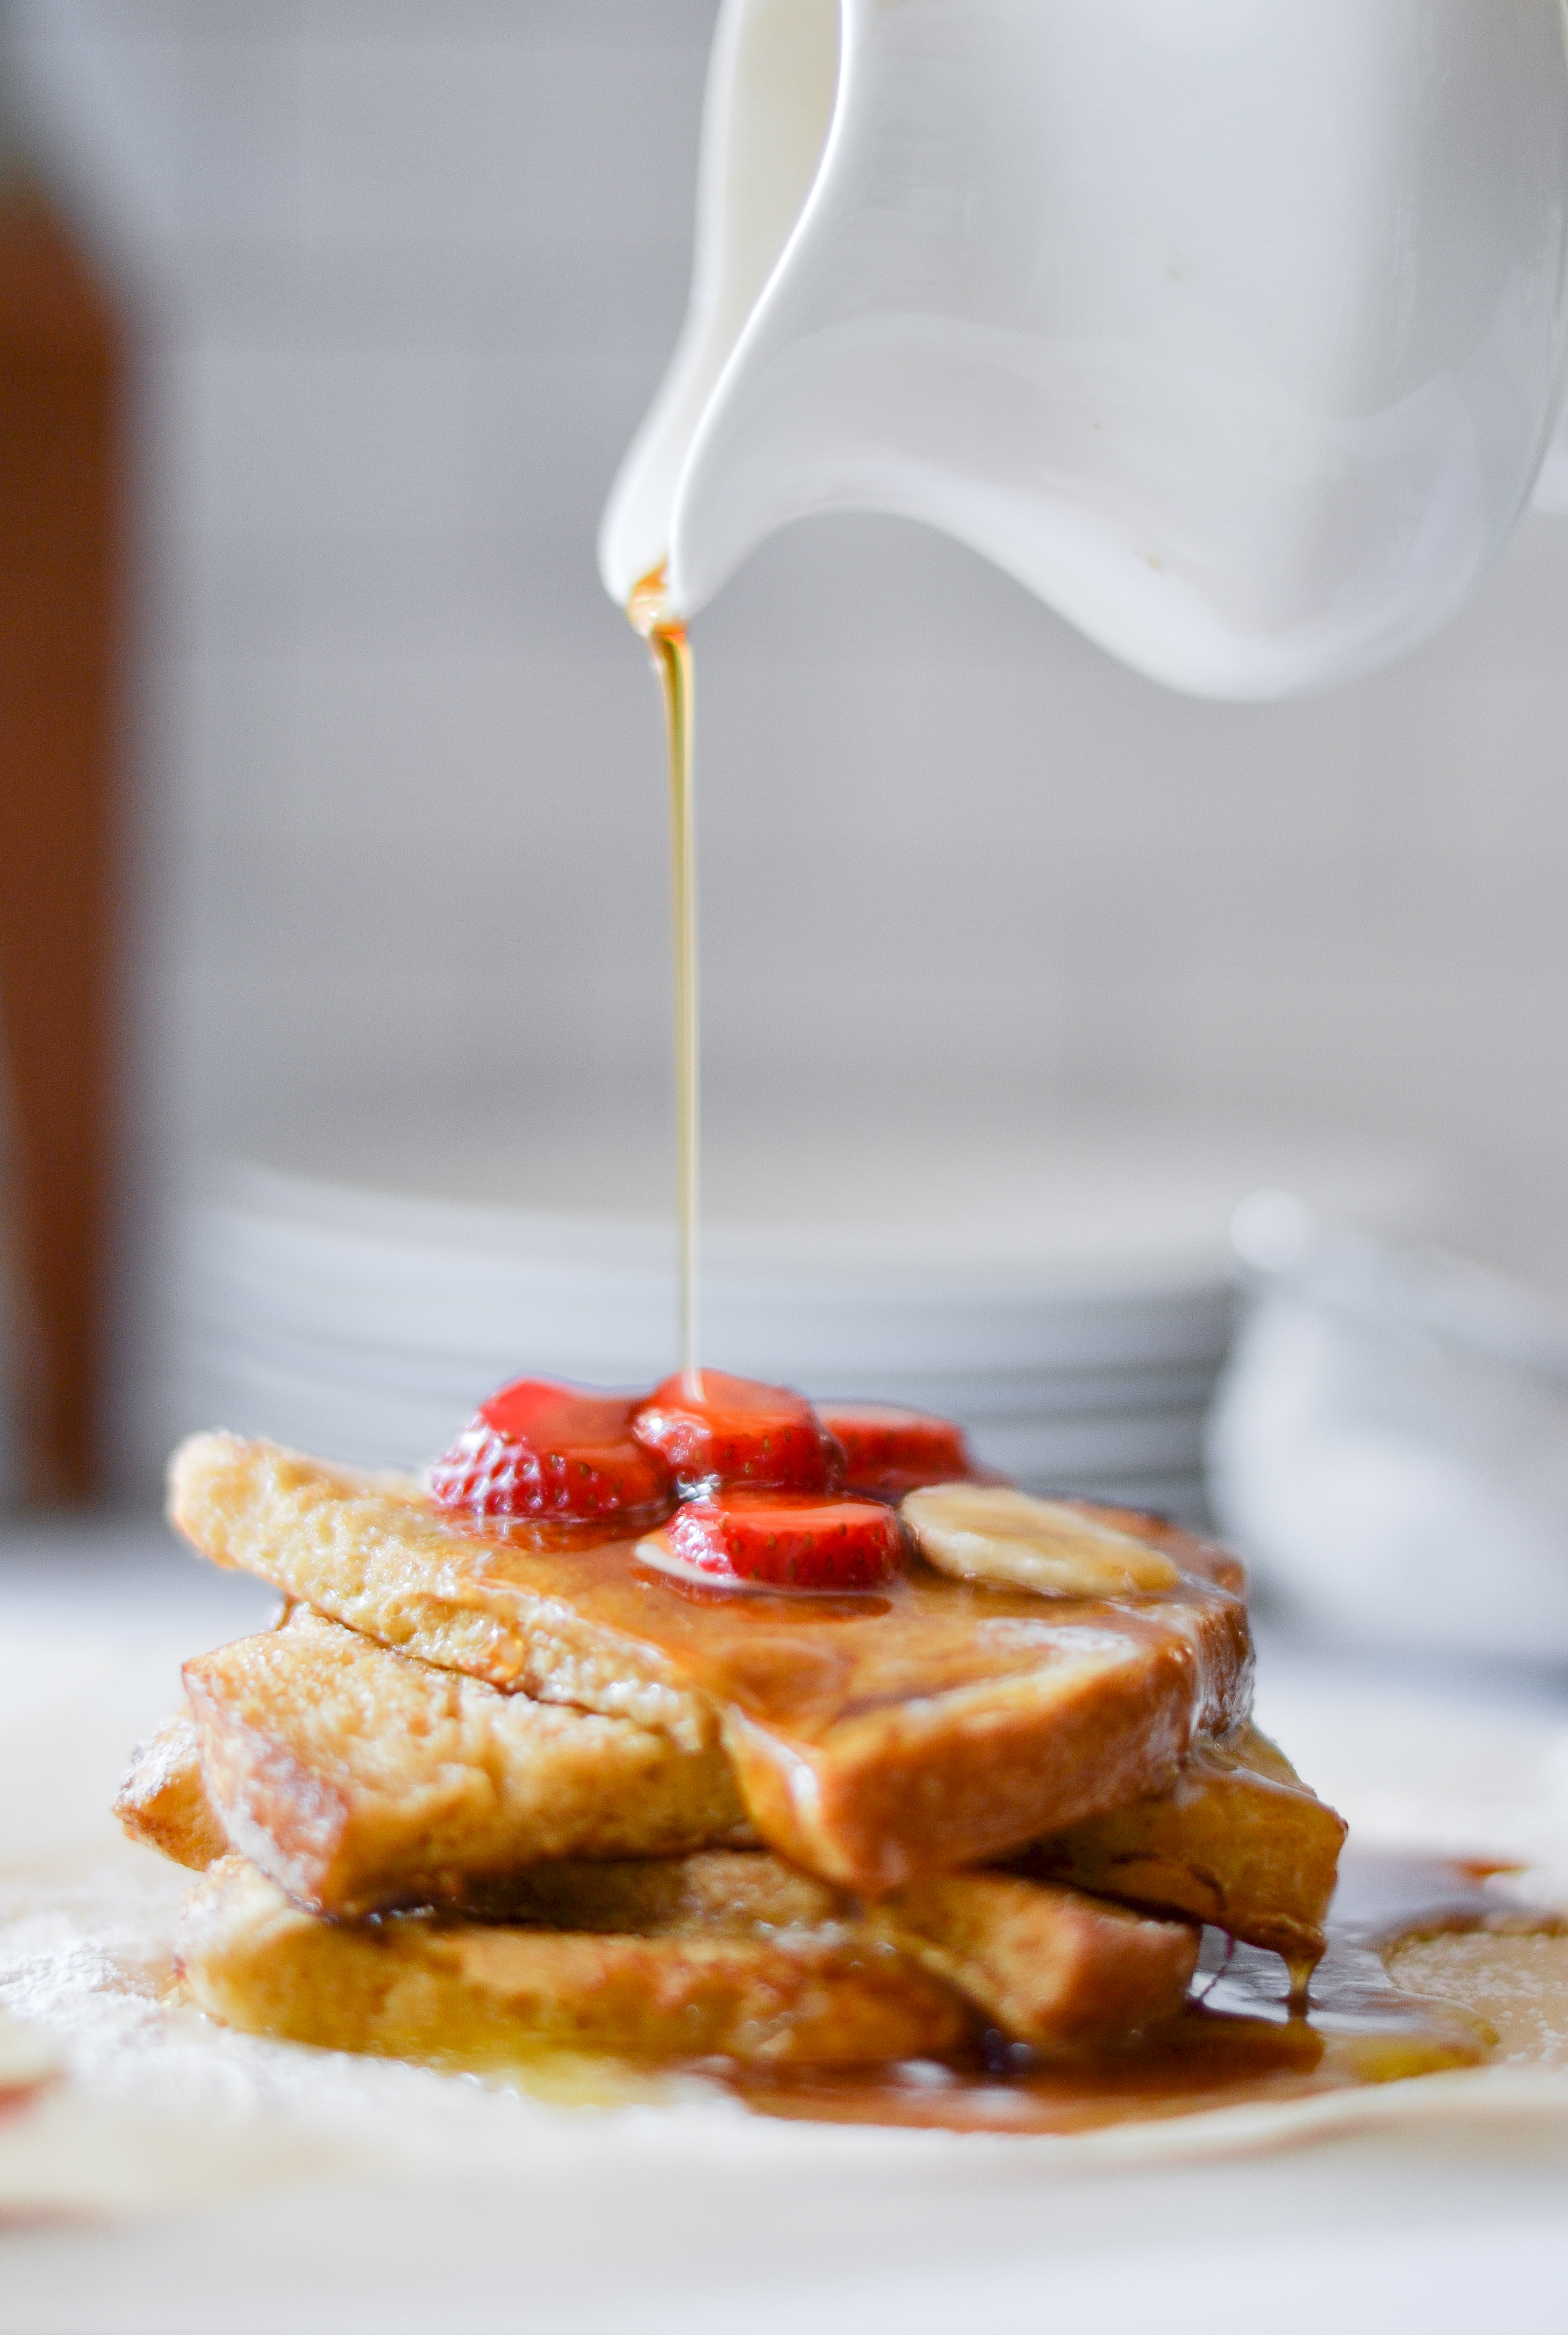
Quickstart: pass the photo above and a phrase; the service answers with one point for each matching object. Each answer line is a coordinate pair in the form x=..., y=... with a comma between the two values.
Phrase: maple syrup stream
x=649, y=610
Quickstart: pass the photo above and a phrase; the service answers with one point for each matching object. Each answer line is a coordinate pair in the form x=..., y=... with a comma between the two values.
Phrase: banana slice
x=987, y=1532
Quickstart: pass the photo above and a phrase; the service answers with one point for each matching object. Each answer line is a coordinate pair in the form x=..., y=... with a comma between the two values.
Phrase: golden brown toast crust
x=929, y=1787
x=371, y=1552
x=1067, y=1974
x=162, y=1800
x=360, y=1779
x=413, y=1988
x=874, y=1738
x=1240, y=1841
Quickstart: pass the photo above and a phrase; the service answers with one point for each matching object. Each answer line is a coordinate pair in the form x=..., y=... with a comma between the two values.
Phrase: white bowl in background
x=1389, y=1448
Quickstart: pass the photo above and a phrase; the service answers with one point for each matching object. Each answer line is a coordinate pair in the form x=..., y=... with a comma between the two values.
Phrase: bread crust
x=162, y=1801
x=1238, y=1840
x=475, y=1996
x=1068, y=1974
x=361, y=1781
x=369, y=1550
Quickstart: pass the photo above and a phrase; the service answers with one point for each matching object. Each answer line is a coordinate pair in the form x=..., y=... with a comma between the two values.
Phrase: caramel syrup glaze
x=1238, y=2044
x=807, y=1661
x=932, y=1723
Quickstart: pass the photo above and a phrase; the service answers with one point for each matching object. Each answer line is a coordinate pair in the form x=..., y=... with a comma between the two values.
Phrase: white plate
x=1016, y=1284
x=370, y=1327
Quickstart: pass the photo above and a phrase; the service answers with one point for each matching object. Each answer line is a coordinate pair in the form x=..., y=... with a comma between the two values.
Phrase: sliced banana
x=987, y=1532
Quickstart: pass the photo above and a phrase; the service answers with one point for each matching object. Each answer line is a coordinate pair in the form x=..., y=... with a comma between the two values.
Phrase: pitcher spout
x=1234, y=333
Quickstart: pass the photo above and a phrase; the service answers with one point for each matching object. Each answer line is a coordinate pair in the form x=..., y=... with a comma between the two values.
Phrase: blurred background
x=1019, y=973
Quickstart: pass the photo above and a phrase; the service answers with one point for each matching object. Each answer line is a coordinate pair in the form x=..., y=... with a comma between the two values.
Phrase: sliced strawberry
x=713, y=1430
x=539, y=1449
x=889, y=1451
x=791, y=1540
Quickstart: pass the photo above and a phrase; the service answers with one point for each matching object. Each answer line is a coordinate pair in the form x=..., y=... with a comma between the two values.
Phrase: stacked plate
x=1070, y=1302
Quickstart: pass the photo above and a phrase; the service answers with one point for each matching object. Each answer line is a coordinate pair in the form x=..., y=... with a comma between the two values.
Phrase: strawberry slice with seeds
x=713, y=1430
x=796, y=1540
x=889, y=1451
x=541, y=1448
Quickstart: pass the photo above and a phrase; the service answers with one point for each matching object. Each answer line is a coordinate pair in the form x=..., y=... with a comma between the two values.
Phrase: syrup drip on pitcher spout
x=649, y=611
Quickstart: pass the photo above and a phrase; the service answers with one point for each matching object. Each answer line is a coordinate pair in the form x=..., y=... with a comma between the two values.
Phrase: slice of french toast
x=361, y=1780
x=875, y=1738
x=369, y=1550
x=1066, y=1973
x=466, y=1993
x=162, y=1800
x=717, y=1952
x=1238, y=1840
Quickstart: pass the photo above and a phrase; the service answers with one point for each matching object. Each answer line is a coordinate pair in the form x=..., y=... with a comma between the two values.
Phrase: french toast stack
x=506, y=1779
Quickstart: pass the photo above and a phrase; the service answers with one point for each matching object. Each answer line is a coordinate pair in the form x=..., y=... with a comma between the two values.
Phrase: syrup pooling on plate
x=1238, y=2044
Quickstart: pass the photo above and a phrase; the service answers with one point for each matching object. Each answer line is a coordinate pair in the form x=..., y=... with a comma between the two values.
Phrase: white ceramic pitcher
x=1232, y=328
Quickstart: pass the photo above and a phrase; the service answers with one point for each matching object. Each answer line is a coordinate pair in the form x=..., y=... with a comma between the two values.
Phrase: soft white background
x=406, y=272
